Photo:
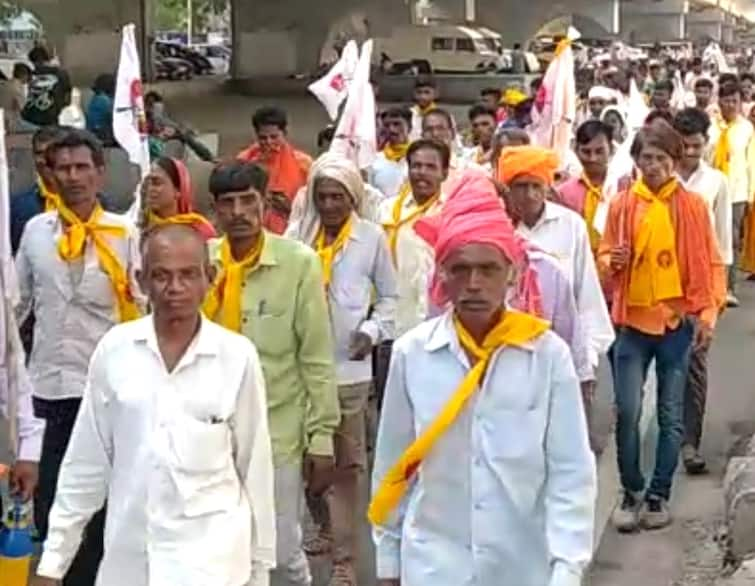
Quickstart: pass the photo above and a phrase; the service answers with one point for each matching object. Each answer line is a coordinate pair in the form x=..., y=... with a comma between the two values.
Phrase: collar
x=268, y=256
x=443, y=335
x=206, y=342
x=551, y=213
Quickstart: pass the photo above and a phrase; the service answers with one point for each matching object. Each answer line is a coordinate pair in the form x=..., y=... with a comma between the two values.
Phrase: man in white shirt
x=173, y=433
x=76, y=269
x=439, y=125
x=421, y=196
x=483, y=122
x=732, y=151
x=356, y=263
x=527, y=173
x=388, y=172
x=485, y=403
x=712, y=186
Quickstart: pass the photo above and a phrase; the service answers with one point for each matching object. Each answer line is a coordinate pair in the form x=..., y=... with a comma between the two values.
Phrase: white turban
x=601, y=92
x=339, y=169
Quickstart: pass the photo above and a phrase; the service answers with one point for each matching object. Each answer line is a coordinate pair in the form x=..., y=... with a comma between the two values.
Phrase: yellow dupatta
x=593, y=197
x=327, y=252
x=655, y=268
x=722, y=153
x=72, y=244
x=513, y=329
x=51, y=199
x=223, y=302
x=397, y=222
x=191, y=218
x=397, y=152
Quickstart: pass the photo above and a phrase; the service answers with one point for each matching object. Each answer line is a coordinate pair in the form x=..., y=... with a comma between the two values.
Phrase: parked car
x=200, y=64
x=218, y=55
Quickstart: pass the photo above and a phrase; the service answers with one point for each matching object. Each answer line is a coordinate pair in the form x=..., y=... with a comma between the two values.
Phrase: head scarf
x=474, y=214
x=616, y=110
x=334, y=167
x=601, y=92
x=185, y=197
x=527, y=160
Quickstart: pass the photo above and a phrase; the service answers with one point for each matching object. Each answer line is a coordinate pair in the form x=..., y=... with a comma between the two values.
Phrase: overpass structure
x=283, y=37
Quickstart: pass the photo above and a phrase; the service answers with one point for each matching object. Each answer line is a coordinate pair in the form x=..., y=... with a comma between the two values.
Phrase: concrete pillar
x=654, y=20
x=281, y=38
x=86, y=34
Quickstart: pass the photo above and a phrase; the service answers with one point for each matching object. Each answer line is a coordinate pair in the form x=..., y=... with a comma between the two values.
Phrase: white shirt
x=363, y=264
x=507, y=495
x=182, y=458
x=415, y=132
x=562, y=233
x=415, y=264
x=73, y=303
x=387, y=176
x=742, y=157
x=712, y=186
x=469, y=160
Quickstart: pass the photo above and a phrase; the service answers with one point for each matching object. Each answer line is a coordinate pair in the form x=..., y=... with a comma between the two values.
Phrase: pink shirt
x=572, y=194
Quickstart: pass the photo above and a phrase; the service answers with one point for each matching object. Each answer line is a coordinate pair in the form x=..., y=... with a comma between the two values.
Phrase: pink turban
x=474, y=214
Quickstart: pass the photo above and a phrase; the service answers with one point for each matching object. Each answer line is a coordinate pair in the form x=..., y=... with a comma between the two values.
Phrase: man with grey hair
x=355, y=261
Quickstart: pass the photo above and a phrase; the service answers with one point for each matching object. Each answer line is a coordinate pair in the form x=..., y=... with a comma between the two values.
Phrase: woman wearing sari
x=169, y=198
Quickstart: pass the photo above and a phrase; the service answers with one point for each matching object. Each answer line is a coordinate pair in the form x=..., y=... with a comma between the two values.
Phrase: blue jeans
x=632, y=354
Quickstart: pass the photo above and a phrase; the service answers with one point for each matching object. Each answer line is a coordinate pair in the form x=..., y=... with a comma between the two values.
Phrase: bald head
x=176, y=270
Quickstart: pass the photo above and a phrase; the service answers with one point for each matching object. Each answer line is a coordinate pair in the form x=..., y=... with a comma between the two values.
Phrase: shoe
x=343, y=574
x=694, y=463
x=731, y=300
x=655, y=514
x=626, y=517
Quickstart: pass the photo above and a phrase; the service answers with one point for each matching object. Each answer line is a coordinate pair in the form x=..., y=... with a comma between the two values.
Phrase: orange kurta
x=288, y=169
x=701, y=267
x=747, y=261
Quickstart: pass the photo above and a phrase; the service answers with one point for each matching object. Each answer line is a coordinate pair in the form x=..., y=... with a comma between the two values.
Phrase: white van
x=441, y=48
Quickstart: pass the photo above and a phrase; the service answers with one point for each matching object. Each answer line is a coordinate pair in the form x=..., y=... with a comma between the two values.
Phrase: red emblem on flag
x=338, y=83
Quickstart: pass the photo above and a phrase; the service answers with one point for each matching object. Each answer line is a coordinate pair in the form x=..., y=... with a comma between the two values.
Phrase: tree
x=172, y=14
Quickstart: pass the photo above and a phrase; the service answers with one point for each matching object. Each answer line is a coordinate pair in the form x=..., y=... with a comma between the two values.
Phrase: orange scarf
x=328, y=252
x=593, y=196
x=513, y=329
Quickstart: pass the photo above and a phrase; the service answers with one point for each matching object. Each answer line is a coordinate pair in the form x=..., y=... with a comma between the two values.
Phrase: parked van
x=441, y=48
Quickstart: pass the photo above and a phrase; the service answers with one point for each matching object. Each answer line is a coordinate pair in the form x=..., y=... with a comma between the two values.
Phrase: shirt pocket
x=202, y=466
x=515, y=435
x=95, y=287
x=271, y=330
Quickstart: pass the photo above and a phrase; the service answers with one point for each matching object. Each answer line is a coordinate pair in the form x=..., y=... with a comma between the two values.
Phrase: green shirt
x=285, y=314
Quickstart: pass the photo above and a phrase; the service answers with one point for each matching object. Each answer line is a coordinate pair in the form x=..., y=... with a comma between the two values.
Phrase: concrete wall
x=650, y=20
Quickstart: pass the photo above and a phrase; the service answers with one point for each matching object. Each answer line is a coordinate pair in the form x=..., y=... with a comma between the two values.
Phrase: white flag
x=129, y=117
x=333, y=87
x=555, y=107
x=356, y=134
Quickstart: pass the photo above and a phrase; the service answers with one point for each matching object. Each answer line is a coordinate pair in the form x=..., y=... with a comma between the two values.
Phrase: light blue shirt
x=507, y=496
x=365, y=262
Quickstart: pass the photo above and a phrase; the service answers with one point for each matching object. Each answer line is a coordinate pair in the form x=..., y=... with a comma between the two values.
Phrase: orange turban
x=527, y=160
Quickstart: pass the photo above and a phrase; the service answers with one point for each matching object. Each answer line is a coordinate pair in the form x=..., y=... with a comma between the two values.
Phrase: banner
x=333, y=88
x=356, y=134
x=129, y=117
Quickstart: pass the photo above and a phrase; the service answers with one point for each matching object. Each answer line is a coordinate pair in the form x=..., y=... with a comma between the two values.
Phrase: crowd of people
x=205, y=409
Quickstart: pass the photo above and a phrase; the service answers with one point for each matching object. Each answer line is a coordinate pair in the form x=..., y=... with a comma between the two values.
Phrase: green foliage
x=172, y=14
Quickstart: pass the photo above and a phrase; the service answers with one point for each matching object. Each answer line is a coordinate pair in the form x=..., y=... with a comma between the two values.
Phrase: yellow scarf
x=192, y=218
x=392, y=228
x=722, y=154
x=72, y=244
x=327, y=252
x=397, y=152
x=224, y=297
x=51, y=199
x=427, y=109
x=655, y=268
x=592, y=199
x=513, y=329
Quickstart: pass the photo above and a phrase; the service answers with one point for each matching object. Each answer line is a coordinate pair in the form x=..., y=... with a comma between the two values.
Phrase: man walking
x=270, y=289
x=173, y=433
x=76, y=268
